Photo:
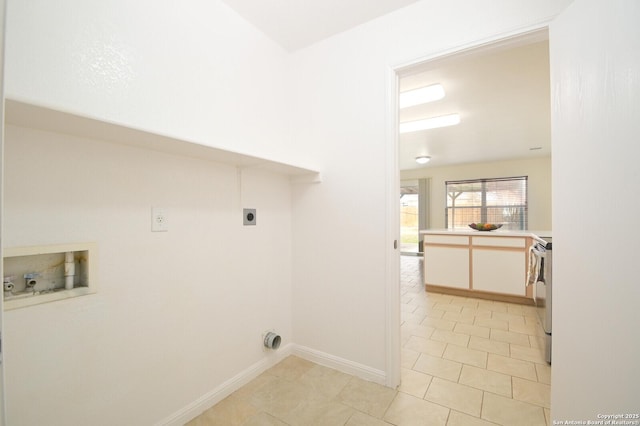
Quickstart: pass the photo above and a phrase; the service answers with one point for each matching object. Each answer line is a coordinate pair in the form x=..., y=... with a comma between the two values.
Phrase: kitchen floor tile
x=455, y=396
x=426, y=346
x=407, y=410
x=447, y=336
x=544, y=373
x=509, y=337
x=438, y=323
x=492, y=323
x=408, y=357
x=486, y=380
x=438, y=367
x=477, y=312
x=448, y=307
x=531, y=392
x=510, y=318
x=472, y=330
x=493, y=306
x=488, y=345
x=461, y=419
x=508, y=412
x=414, y=383
x=511, y=366
x=459, y=317
x=527, y=353
x=417, y=330
x=531, y=329
x=466, y=356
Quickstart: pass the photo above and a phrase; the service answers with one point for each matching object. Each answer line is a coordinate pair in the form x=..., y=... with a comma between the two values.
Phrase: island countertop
x=494, y=233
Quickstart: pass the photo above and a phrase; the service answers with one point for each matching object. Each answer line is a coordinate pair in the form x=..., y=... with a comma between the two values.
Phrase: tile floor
x=465, y=362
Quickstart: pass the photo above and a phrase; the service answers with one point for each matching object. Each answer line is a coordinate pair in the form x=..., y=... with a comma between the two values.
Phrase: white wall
x=537, y=170
x=595, y=79
x=193, y=70
x=176, y=313
x=340, y=117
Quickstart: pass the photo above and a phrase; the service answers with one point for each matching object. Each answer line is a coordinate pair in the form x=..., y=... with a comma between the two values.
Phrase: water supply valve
x=30, y=280
x=8, y=285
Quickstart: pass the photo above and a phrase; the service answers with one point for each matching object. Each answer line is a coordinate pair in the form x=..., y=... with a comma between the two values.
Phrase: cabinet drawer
x=462, y=240
x=499, y=242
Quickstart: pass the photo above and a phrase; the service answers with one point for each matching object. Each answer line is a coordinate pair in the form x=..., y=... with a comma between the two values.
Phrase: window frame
x=522, y=224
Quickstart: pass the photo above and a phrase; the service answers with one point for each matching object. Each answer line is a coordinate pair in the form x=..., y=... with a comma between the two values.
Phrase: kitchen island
x=484, y=264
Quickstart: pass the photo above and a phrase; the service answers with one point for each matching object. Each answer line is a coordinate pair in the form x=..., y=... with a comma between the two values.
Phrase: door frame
x=3, y=418
x=392, y=187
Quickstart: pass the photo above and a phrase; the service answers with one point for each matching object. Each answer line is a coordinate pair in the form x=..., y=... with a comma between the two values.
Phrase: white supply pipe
x=69, y=270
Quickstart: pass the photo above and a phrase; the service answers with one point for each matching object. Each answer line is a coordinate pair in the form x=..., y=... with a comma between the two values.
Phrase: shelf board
x=33, y=116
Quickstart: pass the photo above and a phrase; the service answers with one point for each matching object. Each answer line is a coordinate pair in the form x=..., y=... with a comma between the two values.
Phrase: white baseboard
x=216, y=395
x=208, y=400
x=340, y=364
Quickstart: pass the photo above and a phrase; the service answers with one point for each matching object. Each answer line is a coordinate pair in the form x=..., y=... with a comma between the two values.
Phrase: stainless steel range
x=543, y=289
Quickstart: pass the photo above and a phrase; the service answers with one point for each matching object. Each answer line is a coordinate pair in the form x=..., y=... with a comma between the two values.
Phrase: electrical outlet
x=159, y=220
x=249, y=217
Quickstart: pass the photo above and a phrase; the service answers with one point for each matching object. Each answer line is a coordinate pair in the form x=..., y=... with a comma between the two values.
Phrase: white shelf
x=28, y=115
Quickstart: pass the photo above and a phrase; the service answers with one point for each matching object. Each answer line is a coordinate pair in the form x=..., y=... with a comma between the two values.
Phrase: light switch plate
x=159, y=220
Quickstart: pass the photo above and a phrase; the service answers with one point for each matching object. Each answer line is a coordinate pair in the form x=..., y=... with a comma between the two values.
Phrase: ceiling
x=502, y=95
x=295, y=24
x=501, y=91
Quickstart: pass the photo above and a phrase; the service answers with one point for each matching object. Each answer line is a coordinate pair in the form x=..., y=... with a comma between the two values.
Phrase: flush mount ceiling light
x=421, y=95
x=430, y=123
x=423, y=159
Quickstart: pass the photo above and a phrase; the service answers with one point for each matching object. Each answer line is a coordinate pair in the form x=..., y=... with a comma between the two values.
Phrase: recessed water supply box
x=40, y=274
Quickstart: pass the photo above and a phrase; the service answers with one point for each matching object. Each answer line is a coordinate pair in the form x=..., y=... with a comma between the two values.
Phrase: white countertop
x=495, y=233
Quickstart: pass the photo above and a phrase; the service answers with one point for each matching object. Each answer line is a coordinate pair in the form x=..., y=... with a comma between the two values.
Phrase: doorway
x=438, y=146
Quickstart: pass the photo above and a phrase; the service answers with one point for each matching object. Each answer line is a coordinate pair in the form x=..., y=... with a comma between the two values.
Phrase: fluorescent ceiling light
x=421, y=96
x=430, y=123
x=423, y=159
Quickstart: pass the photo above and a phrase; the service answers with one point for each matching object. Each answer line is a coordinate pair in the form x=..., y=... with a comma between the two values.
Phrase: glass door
x=409, y=214
x=414, y=214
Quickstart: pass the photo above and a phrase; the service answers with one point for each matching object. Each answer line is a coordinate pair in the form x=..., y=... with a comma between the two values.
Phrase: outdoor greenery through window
x=499, y=201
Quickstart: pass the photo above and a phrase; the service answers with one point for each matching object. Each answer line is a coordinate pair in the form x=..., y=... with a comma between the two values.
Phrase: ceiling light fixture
x=430, y=123
x=423, y=159
x=421, y=95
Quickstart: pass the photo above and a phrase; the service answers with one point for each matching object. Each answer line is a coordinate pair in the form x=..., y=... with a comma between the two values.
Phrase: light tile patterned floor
x=465, y=362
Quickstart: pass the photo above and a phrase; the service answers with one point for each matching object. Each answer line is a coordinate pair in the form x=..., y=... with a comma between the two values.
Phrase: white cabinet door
x=446, y=266
x=499, y=271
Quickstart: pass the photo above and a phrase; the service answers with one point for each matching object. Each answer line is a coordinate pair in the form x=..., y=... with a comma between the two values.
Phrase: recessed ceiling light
x=423, y=159
x=422, y=95
x=430, y=123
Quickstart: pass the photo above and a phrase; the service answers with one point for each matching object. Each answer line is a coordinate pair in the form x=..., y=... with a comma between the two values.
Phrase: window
x=500, y=201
